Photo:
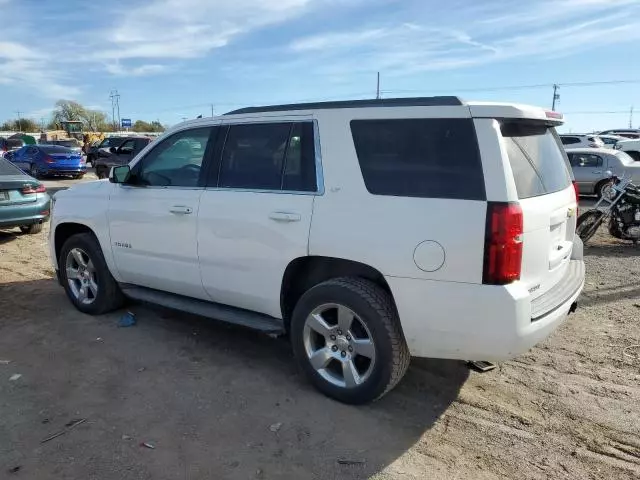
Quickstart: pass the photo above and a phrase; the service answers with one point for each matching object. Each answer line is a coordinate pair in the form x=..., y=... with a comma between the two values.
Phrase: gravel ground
x=222, y=402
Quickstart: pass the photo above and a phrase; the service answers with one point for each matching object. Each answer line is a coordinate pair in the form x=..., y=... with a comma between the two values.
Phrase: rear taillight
x=28, y=189
x=503, y=243
x=577, y=192
x=48, y=159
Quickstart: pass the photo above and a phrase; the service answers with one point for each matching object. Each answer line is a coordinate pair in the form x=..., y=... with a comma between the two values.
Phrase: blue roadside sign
x=126, y=122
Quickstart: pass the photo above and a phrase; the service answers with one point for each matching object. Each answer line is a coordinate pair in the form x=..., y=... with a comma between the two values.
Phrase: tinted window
x=176, y=161
x=66, y=143
x=585, y=160
x=569, y=140
x=55, y=149
x=537, y=160
x=7, y=168
x=127, y=147
x=431, y=158
x=273, y=156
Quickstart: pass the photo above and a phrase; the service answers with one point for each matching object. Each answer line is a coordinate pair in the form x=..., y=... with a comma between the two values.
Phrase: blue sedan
x=43, y=160
x=24, y=201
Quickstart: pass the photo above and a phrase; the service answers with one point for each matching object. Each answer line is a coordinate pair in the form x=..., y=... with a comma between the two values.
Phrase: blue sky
x=175, y=58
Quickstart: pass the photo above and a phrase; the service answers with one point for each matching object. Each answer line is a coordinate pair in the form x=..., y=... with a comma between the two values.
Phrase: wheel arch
x=303, y=273
x=64, y=231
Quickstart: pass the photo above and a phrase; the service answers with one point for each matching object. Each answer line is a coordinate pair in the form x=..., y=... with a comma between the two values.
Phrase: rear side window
x=269, y=156
x=585, y=160
x=537, y=159
x=569, y=140
x=429, y=158
x=55, y=149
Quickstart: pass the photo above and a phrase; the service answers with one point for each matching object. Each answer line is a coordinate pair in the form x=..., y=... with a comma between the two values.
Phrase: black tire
x=33, y=171
x=109, y=296
x=600, y=186
x=588, y=224
x=375, y=308
x=31, y=229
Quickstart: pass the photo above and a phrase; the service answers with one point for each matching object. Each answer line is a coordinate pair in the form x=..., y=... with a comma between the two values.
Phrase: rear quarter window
x=428, y=158
x=538, y=161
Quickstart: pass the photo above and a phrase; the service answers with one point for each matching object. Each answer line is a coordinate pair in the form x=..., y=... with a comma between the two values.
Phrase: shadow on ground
x=215, y=401
x=7, y=235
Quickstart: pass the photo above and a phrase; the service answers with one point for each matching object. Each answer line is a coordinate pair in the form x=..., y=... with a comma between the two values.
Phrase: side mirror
x=120, y=174
x=113, y=149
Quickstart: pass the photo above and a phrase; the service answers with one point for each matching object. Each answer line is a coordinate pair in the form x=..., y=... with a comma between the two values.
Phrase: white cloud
x=119, y=70
x=190, y=28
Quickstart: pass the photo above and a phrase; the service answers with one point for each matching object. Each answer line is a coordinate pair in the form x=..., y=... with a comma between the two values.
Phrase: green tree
x=21, y=124
x=142, y=126
x=68, y=110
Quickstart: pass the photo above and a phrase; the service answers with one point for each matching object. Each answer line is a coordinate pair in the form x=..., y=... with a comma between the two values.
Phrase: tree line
x=68, y=110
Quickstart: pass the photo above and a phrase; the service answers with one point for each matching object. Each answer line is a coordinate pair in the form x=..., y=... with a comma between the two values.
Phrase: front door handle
x=181, y=210
x=597, y=171
x=284, y=216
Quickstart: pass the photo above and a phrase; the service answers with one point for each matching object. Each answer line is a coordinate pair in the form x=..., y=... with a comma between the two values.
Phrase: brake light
x=28, y=189
x=48, y=159
x=503, y=243
x=552, y=114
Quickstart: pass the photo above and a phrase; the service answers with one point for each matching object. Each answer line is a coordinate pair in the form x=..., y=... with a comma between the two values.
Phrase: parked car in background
x=623, y=132
x=368, y=231
x=10, y=145
x=43, y=160
x=573, y=140
x=24, y=201
x=105, y=144
x=611, y=140
x=631, y=147
x=592, y=167
x=121, y=155
x=70, y=143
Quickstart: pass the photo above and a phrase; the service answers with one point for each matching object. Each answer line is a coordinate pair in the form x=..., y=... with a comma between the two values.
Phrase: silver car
x=591, y=166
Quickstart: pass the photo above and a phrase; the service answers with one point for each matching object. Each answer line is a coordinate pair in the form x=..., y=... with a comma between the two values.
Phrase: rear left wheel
x=346, y=337
x=31, y=229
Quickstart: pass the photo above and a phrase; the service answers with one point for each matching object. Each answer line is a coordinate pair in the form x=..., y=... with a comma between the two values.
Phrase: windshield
x=7, y=168
x=55, y=149
x=108, y=142
x=625, y=158
x=537, y=158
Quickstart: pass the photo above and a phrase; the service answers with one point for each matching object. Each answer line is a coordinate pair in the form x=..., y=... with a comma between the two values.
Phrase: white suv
x=578, y=140
x=368, y=231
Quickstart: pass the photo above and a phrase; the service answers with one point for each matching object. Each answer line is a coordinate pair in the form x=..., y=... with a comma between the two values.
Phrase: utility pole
x=212, y=110
x=115, y=108
x=378, y=88
x=556, y=96
x=19, y=113
x=631, y=117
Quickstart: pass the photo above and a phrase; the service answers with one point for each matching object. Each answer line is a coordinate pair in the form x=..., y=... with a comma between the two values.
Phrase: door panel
x=153, y=221
x=245, y=242
x=154, y=246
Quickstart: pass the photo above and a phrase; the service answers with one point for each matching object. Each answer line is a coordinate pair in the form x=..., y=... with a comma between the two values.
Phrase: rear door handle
x=284, y=216
x=597, y=171
x=181, y=210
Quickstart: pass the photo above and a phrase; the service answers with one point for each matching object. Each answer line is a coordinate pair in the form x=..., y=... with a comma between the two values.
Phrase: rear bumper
x=52, y=170
x=478, y=322
x=26, y=214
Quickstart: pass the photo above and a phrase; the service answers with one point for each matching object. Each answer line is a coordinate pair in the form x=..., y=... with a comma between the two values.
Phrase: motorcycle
x=621, y=205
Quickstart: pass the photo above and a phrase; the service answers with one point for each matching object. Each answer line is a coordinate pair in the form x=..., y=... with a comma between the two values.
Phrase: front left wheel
x=346, y=337
x=86, y=277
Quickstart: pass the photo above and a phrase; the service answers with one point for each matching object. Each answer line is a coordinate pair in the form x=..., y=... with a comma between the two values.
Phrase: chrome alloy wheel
x=339, y=345
x=81, y=275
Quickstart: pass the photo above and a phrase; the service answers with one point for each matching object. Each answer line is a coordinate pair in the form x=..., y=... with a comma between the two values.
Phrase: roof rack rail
x=447, y=101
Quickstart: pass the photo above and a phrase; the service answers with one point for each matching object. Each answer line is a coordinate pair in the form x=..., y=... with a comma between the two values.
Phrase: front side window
x=269, y=156
x=585, y=160
x=127, y=147
x=174, y=162
x=429, y=158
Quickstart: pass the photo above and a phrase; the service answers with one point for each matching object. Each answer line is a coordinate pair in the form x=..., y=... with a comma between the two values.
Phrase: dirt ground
x=219, y=402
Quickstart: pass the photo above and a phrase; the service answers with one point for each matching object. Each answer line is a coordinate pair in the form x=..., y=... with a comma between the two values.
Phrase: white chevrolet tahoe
x=368, y=231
